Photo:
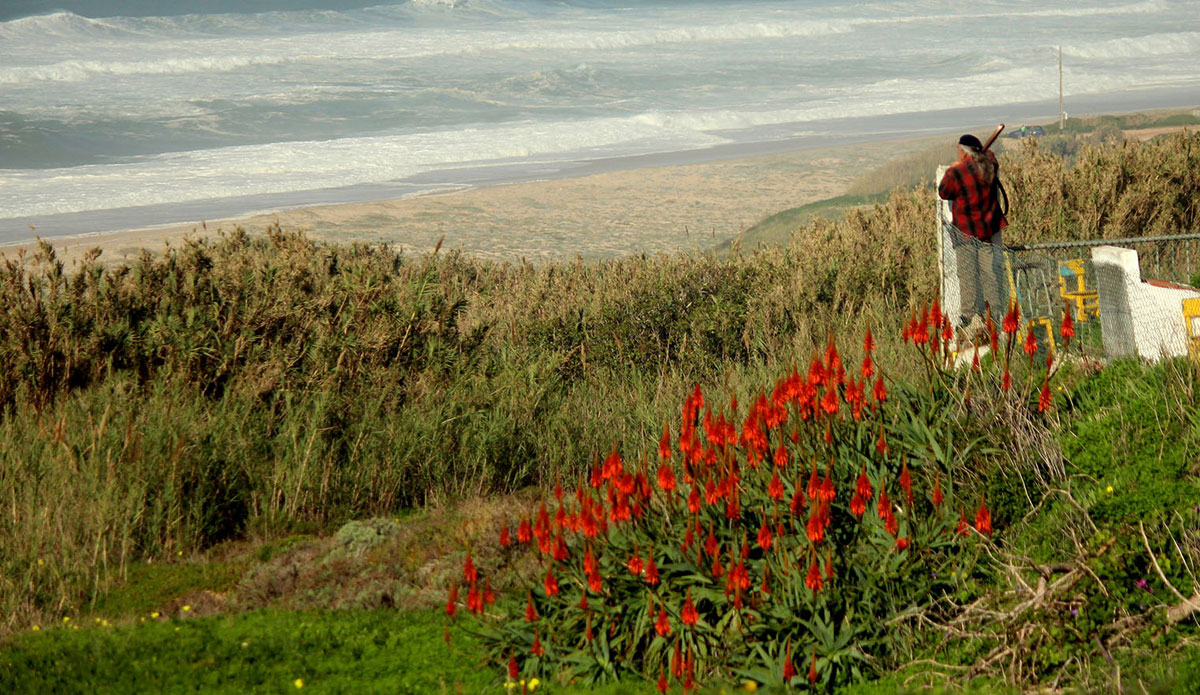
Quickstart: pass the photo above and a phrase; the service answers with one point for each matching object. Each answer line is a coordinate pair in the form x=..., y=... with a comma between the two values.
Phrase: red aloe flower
x=588, y=634
x=764, y=535
x=688, y=615
x=813, y=581
x=693, y=500
x=829, y=573
x=781, y=457
x=651, y=571
x=718, y=570
x=550, y=583
x=537, y=649
x=1044, y=399
x=1031, y=344
x=798, y=499
x=868, y=341
x=884, y=505
x=1012, y=319
x=452, y=601
x=812, y=669
x=583, y=602
x=1067, y=329
x=1006, y=380
x=880, y=391
x=662, y=626
x=890, y=523
x=710, y=543
x=474, y=599
x=814, y=483
x=524, y=531
x=470, y=574
x=505, y=539
x=664, y=444
x=862, y=486
x=666, y=477
x=789, y=671
x=858, y=505
x=816, y=525
x=489, y=596
x=513, y=670
x=983, y=519
x=963, y=528
x=827, y=493
x=635, y=564
x=531, y=614
x=662, y=679
x=868, y=368
x=902, y=543
x=906, y=483
x=595, y=583
x=590, y=565
x=937, y=490
x=560, y=548
x=677, y=664
x=975, y=360
x=775, y=487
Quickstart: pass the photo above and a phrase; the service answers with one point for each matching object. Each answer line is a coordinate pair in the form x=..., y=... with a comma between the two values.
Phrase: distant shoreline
x=592, y=209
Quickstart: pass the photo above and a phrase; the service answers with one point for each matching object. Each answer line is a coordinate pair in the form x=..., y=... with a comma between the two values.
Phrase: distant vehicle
x=1027, y=131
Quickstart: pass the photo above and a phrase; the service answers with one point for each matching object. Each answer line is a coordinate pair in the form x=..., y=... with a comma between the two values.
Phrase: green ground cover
x=294, y=439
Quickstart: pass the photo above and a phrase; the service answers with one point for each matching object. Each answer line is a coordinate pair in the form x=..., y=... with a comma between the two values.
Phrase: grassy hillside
x=194, y=412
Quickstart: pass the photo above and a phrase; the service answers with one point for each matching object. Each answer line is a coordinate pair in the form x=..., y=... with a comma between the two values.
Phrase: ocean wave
x=59, y=25
x=1178, y=43
x=80, y=70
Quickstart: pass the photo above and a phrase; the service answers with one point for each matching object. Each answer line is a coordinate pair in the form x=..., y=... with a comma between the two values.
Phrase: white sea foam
x=1183, y=44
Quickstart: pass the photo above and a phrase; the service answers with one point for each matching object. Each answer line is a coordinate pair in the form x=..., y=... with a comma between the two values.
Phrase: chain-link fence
x=1129, y=296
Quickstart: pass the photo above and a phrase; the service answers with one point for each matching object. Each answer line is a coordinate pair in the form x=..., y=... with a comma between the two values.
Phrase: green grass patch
x=262, y=652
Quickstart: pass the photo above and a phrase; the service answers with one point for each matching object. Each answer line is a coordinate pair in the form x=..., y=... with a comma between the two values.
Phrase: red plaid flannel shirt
x=975, y=205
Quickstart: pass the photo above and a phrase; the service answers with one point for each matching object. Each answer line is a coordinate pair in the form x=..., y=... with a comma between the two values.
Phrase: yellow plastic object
x=1072, y=286
x=1191, y=319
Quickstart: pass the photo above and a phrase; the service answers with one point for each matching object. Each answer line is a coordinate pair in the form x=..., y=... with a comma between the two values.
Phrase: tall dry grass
x=253, y=385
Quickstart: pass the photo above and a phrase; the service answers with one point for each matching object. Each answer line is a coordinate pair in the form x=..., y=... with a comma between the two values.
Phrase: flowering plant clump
x=770, y=543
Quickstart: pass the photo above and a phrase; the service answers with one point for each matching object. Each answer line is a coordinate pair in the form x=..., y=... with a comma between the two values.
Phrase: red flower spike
x=537, y=649
x=937, y=490
x=524, y=531
x=1006, y=380
x=710, y=544
x=812, y=669
x=452, y=601
x=902, y=543
x=781, y=457
x=858, y=505
x=789, y=671
x=963, y=529
x=664, y=444
x=513, y=670
x=595, y=583
x=662, y=679
x=868, y=368
x=651, y=571
x=677, y=661
x=666, y=477
x=775, y=487
x=583, y=602
x=550, y=583
x=975, y=360
x=983, y=519
x=764, y=536
x=1067, y=329
x=868, y=341
x=1031, y=344
x=688, y=615
x=880, y=391
x=813, y=580
x=489, y=596
x=635, y=564
x=531, y=614
x=470, y=574
x=662, y=626
x=1044, y=399
x=505, y=539
x=829, y=573
x=798, y=499
x=474, y=599
x=885, y=505
x=1012, y=319
x=906, y=483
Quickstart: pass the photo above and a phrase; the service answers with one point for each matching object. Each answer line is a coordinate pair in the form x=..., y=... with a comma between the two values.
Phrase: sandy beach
x=655, y=209
x=603, y=215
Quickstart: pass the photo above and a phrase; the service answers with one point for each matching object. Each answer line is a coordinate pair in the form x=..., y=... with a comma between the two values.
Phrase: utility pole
x=1062, y=116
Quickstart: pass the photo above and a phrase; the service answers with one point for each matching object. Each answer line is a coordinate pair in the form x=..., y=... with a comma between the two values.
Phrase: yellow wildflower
x=299, y=683
x=750, y=685
x=36, y=628
x=66, y=618
x=41, y=562
x=154, y=614
x=186, y=608
x=1109, y=489
x=533, y=684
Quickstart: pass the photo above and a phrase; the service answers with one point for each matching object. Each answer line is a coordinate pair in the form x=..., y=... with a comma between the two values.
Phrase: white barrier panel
x=1146, y=318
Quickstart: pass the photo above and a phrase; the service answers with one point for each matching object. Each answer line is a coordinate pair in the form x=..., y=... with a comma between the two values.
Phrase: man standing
x=972, y=185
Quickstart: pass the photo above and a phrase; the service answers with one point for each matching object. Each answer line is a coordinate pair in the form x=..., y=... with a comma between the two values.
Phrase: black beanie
x=969, y=140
